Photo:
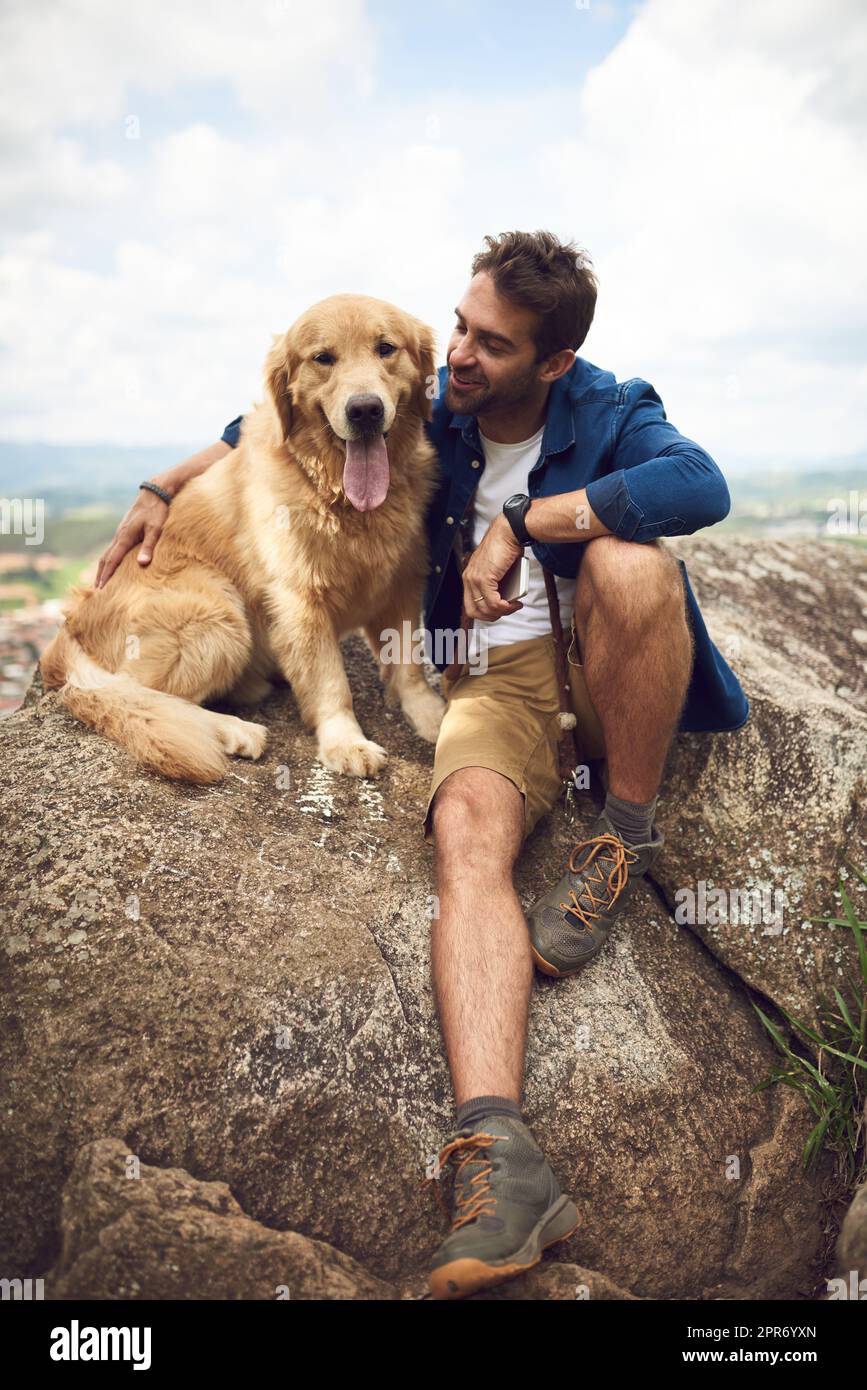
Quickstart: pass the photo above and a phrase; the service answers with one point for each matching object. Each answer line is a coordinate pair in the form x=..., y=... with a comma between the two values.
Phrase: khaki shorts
x=505, y=718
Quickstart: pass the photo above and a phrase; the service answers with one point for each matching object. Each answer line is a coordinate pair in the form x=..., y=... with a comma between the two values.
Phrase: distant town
x=24, y=635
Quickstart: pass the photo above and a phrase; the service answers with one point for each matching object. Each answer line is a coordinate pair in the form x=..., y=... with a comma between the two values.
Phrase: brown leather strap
x=568, y=742
x=568, y=751
x=463, y=548
x=454, y=670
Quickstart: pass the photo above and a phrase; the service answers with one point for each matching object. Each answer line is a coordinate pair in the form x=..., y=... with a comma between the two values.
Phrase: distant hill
x=75, y=474
x=812, y=482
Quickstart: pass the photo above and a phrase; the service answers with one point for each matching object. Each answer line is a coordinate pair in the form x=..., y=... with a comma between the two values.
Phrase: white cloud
x=69, y=61
x=724, y=192
x=710, y=163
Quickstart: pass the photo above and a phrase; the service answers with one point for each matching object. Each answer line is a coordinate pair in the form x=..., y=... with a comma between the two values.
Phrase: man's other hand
x=498, y=549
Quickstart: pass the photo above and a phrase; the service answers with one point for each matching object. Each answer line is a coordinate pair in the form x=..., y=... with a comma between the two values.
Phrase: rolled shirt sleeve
x=232, y=433
x=660, y=483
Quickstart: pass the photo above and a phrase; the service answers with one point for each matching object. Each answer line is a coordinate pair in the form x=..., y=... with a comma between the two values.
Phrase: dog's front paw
x=425, y=711
x=358, y=757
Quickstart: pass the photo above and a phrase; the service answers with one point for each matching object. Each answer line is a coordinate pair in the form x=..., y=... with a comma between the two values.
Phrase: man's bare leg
x=480, y=953
x=636, y=647
x=630, y=615
x=482, y=975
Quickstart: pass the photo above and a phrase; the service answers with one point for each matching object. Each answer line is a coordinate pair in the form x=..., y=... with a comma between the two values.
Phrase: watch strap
x=515, y=510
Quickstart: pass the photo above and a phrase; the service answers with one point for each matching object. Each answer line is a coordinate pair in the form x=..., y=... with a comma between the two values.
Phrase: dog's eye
x=386, y=349
x=325, y=359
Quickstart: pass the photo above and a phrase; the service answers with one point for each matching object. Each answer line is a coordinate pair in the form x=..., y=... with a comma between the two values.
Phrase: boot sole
x=548, y=969
x=460, y=1278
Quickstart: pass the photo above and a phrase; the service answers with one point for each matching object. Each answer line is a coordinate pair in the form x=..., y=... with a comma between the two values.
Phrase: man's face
x=491, y=354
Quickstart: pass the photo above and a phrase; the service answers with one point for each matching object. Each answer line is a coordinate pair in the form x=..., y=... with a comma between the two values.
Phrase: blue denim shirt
x=643, y=479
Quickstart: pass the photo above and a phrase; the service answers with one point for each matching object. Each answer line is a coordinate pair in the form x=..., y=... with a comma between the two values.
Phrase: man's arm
x=567, y=516
x=660, y=483
x=147, y=516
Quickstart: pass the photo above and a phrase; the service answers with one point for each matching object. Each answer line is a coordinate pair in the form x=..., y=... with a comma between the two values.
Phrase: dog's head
x=351, y=382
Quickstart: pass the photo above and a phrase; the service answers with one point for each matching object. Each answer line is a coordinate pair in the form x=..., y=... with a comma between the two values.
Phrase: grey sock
x=472, y=1110
x=633, y=820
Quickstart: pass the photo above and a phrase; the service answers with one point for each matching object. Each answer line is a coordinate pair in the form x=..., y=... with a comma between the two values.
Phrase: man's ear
x=423, y=353
x=279, y=366
x=558, y=365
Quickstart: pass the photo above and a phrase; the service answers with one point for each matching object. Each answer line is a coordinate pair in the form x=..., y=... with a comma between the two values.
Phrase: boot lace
x=607, y=850
x=473, y=1197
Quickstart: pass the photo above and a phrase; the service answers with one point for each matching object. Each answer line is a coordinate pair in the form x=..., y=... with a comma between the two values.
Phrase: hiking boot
x=570, y=923
x=508, y=1207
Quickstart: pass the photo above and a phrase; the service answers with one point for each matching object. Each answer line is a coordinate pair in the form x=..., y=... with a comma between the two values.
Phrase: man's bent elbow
x=711, y=500
x=721, y=500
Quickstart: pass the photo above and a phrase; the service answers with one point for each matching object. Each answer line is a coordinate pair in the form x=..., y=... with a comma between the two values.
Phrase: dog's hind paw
x=360, y=758
x=241, y=737
x=425, y=713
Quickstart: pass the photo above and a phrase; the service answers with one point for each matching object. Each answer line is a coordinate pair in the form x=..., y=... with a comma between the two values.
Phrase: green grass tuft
x=835, y=1085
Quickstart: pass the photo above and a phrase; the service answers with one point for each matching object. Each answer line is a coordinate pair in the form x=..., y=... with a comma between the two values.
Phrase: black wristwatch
x=515, y=508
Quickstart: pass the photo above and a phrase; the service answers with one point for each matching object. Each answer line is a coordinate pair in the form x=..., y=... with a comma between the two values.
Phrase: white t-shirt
x=507, y=468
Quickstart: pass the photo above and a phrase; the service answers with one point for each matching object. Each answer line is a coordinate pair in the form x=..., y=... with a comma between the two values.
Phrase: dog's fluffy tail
x=162, y=732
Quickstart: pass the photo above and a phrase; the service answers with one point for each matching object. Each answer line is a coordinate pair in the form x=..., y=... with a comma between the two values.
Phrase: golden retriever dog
x=312, y=528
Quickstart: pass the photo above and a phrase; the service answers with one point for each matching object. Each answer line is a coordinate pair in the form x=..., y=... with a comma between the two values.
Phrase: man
x=591, y=474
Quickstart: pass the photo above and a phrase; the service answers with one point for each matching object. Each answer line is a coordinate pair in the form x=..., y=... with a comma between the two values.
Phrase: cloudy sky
x=182, y=177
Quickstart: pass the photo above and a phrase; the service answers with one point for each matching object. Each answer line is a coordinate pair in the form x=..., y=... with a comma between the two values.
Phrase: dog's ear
x=422, y=349
x=279, y=369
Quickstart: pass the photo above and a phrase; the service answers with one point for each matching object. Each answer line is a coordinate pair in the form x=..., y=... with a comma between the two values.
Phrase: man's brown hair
x=555, y=279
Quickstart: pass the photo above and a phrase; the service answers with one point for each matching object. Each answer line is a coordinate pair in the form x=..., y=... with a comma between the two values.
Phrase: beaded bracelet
x=160, y=491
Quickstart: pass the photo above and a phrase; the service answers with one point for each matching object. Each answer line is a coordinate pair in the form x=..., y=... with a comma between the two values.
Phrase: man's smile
x=461, y=383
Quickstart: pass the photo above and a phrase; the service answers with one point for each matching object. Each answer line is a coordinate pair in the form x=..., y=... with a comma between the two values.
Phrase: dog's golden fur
x=264, y=564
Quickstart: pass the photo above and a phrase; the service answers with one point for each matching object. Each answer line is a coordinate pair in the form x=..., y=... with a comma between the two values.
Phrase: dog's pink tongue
x=365, y=474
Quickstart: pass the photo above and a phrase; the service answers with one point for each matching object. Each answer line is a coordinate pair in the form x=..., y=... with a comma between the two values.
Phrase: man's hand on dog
x=143, y=522
x=497, y=550
x=146, y=517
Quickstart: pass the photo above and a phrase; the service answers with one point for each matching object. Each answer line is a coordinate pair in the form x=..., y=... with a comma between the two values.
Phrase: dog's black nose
x=365, y=412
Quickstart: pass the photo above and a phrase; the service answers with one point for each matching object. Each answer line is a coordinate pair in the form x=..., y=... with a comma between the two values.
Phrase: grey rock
x=234, y=981
x=778, y=805
x=137, y=1232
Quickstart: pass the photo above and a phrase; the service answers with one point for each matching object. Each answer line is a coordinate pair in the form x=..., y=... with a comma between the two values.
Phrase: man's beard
x=489, y=399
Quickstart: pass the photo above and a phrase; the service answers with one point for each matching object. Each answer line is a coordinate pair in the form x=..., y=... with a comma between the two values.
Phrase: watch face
x=516, y=497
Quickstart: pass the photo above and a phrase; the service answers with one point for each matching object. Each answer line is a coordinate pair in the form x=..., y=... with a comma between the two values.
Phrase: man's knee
x=629, y=581
x=477, y=816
